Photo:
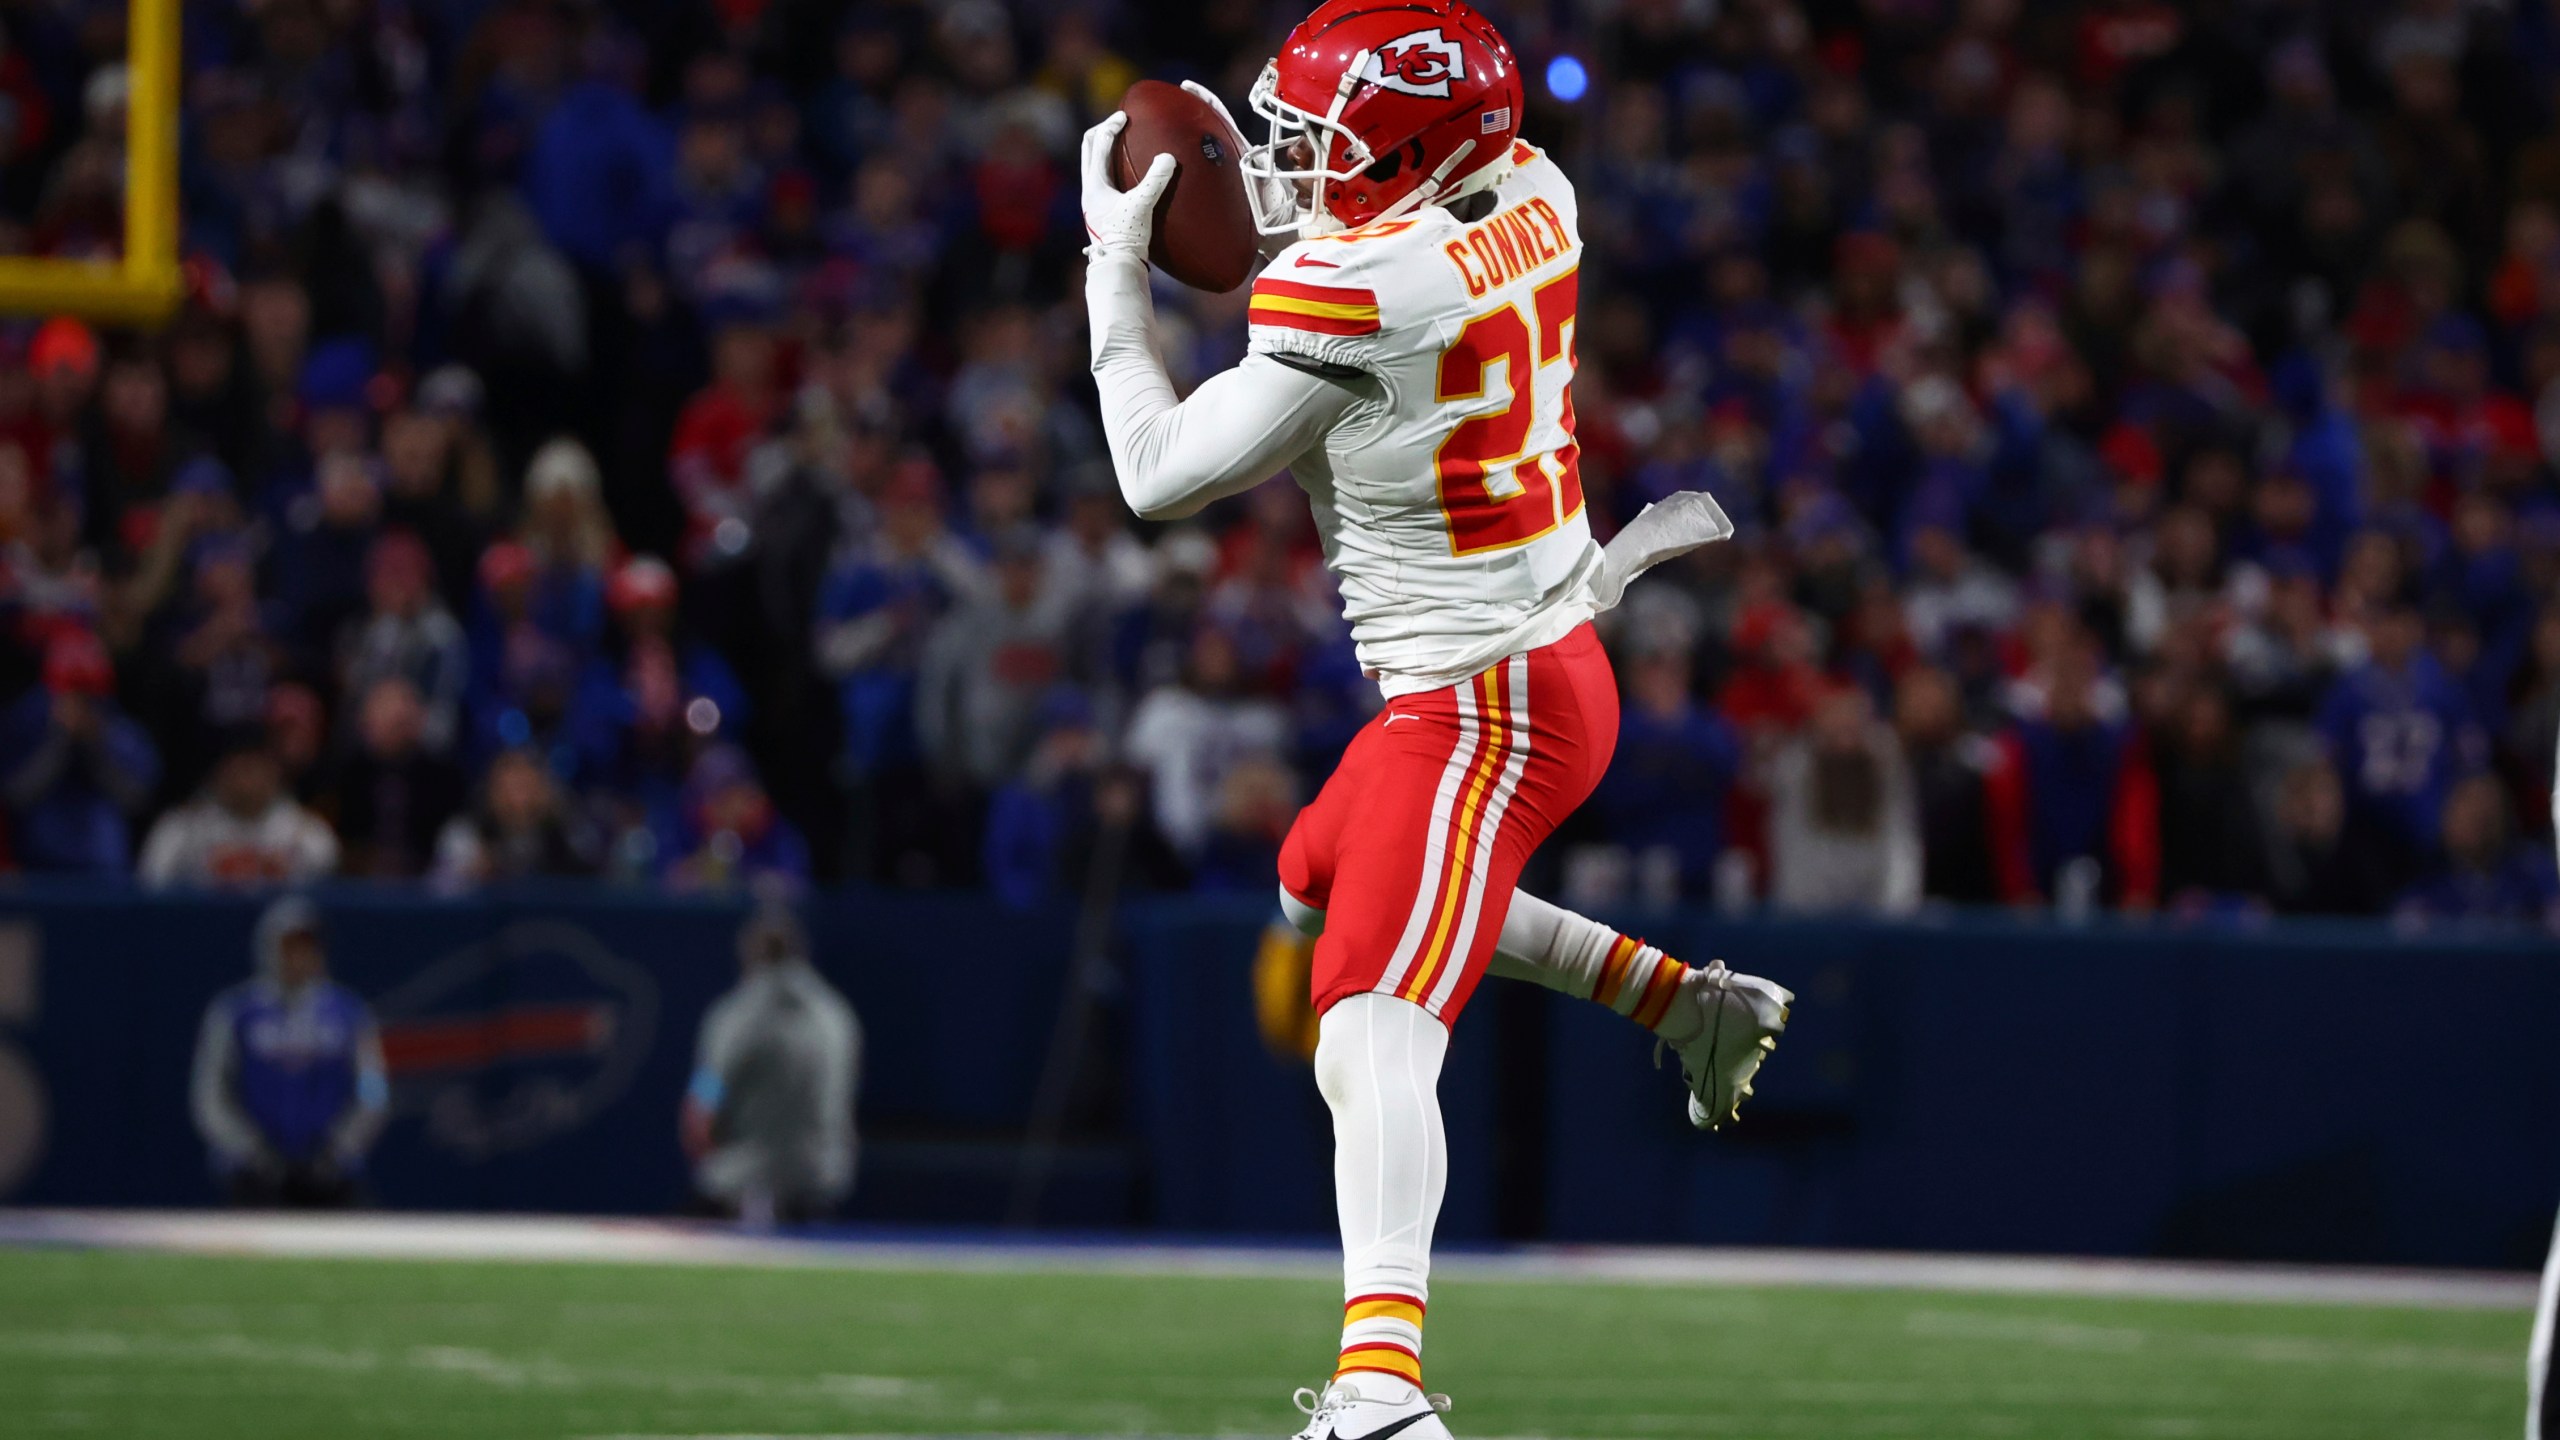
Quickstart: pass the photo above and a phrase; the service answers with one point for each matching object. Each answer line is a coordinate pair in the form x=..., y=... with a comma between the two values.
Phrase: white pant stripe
x=1488, y=829
x=1435, y=858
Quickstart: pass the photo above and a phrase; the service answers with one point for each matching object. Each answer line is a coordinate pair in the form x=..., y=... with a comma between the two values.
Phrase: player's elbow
x=1160, y=494
x=1180, y=507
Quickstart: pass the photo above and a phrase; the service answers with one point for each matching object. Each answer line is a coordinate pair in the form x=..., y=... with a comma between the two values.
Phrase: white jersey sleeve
x=1173, y=457
x=1450, y=502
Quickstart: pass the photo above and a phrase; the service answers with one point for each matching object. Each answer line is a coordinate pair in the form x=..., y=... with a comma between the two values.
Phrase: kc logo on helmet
x=1422, y=63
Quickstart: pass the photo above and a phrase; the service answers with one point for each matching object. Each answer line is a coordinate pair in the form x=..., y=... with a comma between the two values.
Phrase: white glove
x=1673, y=525
x=1276, y=197
x=1120, y=221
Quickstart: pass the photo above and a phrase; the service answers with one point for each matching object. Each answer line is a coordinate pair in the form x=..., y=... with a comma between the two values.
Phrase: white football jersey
x=1450, y=499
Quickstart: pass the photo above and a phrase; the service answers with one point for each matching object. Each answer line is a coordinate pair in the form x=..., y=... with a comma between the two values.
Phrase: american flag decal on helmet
x=1495, y=121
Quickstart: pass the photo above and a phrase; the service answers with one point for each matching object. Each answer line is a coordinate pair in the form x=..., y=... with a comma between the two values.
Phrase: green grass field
x=145, y=1345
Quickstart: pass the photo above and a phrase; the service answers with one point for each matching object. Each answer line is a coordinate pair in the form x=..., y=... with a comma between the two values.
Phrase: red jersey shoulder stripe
x=1301, y=290
x=1319, y=309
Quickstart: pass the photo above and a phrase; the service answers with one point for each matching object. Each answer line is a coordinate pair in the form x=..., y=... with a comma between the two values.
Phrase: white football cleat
x=1345, y=1410
x=1741, y=1018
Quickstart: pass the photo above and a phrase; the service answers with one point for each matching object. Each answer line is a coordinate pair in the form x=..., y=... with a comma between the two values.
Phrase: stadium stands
x=2141, y=406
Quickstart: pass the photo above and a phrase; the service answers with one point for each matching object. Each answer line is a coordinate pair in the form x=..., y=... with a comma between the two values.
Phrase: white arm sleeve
x=219, y=1119
x=1174, y=457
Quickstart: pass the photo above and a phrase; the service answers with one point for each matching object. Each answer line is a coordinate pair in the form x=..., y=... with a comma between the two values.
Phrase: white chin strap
x=1428, y=192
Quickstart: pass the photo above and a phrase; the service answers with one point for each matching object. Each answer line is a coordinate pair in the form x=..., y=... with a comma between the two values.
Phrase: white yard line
x=467, y=1364
x=656, y=1242
x=2038, y=1275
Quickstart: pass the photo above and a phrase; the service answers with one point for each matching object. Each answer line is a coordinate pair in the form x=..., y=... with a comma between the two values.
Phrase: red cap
x=1760, y=625
x=76, y=664
x=2132, y=453
x=645, y=580
x=505, y=565
x=2511, y=428
x=63, y=341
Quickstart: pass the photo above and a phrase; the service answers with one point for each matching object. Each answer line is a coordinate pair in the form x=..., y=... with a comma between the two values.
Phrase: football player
x=1411, y=364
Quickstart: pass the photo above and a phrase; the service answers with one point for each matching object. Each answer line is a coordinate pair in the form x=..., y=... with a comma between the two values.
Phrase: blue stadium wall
x=2298, y=1092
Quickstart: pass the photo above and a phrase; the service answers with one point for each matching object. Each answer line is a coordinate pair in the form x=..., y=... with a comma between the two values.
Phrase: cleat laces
x=1326, y=1405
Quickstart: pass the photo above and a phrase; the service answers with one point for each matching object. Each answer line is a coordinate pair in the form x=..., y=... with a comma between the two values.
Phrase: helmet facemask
x=1286, y=189
x=1287, y=195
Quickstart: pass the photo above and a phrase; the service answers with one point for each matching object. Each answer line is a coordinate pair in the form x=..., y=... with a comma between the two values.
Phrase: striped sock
x=1576, y=955
x=1640, y=982
x=1382, y=1334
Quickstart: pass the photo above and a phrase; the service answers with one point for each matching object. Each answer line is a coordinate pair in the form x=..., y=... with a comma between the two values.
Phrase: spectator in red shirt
x=1775, y=683
x=707, y=459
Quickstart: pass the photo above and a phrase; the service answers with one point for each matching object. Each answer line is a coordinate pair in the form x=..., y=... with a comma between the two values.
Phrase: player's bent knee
x=1361, y=1035
x=1308, y=919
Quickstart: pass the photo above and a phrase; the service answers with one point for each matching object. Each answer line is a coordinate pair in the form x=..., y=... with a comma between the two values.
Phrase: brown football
x=1204, y=235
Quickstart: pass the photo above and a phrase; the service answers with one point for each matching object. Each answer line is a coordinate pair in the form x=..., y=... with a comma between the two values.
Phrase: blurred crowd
x=651, y=439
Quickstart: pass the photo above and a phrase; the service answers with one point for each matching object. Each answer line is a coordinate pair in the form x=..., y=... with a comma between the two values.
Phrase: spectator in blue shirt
x=728, y=835
x=876, y=608
x=2485, y=874
x=320, y=561
x=2074, y=785
x=598, y=173
x=73, y=769
x=1675, y=767
x=570, y=539
x=2402, y=733
x=1035, y=820
x=527, y=686
x=662, y=694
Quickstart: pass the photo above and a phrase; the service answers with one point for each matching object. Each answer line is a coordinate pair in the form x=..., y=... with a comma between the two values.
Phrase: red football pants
x=1414, y=845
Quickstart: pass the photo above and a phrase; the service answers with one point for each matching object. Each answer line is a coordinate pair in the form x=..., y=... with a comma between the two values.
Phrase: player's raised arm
x=1175, y=456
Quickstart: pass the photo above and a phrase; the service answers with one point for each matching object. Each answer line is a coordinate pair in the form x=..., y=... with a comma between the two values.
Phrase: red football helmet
x=1399, y=103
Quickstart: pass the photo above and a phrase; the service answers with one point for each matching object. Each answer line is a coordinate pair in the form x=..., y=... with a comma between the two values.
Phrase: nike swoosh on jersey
x=1309, y=261
x=1399, y=715
x=1383, y=1431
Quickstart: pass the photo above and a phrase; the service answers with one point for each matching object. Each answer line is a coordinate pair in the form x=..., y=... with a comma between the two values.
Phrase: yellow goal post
x=144, y=286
